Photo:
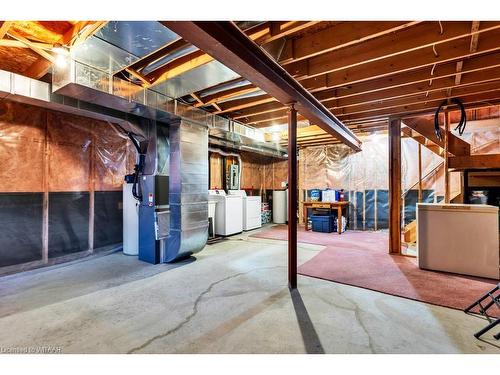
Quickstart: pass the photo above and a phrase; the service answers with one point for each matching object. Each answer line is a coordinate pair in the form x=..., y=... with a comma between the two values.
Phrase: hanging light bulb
x=61, y=61
x=60, y=50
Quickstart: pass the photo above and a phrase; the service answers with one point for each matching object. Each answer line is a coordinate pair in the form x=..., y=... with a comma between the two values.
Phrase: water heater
x=130, y=221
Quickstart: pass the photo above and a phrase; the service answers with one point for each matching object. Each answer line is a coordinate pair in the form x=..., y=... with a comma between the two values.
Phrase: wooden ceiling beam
x=219, y=86
x=422, y=98
x=476, y=101
x=448, y=52
x=418, y=78
x=227, y=94
x=79, y=32
x=487, y=161
x=256, y=110
x=196, y=97
x=178, y=66
x=404, y=93
x=278, y=30
x=426, y=35
x=422, y=75
x=278, y=114
x=238, y=104
x=38, y=69
x=376, y=105
x=473, y=48
x=42, y=52
x=407, y=92
x=339, y=36
x=169, y=48
x=18, y=44
x=235, y=49
x=137, y=75
x=277, y=121
x=4, y=28
x=480, y=100
x=193, y=59
x=308, y=137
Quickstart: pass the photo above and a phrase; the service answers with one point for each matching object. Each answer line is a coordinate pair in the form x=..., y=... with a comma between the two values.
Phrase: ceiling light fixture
x=60, y=50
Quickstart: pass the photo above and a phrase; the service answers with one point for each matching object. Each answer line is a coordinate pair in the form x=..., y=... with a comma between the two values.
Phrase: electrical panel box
x=234, y=177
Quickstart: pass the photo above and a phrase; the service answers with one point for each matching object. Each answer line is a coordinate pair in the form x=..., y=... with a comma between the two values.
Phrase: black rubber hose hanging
x=138, y=169
x=463, y=118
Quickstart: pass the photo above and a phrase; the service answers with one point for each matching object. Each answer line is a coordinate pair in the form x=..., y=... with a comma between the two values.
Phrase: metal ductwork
x=82, y=82
x=82, y=90
x=235, y=141
x=26, y=90
x=188, y=189
x=187, y=220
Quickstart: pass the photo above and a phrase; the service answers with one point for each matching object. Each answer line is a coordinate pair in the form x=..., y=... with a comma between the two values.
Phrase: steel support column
x=292, y=197
x=395, y=186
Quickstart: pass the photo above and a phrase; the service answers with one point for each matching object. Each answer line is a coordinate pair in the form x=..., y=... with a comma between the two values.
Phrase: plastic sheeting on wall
x=364, y=175
x=58, y=161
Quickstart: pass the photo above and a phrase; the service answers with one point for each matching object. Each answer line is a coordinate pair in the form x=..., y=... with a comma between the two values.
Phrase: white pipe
x=224, y=153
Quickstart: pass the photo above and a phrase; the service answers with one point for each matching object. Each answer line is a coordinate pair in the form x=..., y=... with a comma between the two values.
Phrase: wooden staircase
x=410, y=229
x=410, y=133
x=421, y=129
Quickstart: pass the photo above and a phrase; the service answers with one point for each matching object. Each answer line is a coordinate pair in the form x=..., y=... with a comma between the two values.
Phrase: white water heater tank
x=130, y=221
x=280, y=206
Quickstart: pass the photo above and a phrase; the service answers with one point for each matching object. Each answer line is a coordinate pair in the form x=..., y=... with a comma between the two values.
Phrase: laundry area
x=313, y=187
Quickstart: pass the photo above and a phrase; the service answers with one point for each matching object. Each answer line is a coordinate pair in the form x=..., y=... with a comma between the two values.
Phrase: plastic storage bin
x=322, y=223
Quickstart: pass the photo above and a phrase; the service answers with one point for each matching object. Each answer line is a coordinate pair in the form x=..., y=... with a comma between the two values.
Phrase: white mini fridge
x=458, y=238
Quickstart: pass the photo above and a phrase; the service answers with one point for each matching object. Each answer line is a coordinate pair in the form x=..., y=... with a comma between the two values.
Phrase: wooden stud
x=395, y=186
x=45, y=182
x=420, y=173
x=92, y=169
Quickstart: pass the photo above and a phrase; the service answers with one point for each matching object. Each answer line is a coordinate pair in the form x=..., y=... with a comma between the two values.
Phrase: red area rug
x=361, y=259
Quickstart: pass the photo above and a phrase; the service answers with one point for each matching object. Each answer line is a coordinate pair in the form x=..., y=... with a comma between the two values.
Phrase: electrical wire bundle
x=463, y=118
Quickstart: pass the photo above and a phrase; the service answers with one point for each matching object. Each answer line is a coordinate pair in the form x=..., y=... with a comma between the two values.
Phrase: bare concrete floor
x=232, y=299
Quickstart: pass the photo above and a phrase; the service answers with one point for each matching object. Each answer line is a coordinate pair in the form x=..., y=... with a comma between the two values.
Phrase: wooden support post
x=92, y=157
x=395, y=186
x=292, y=197
x=420, y=197
x=300, y=184
x=446, y=148
x=45, y=182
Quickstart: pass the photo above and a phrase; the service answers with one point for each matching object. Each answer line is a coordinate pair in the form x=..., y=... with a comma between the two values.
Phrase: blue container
x=315, y=195
x=322, y=223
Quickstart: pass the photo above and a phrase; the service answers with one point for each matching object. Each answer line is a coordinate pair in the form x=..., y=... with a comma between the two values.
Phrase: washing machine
x=228, y=212
x=251, y=209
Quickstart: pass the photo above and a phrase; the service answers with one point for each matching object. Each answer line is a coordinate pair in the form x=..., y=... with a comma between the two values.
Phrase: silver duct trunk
x=188, y=189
